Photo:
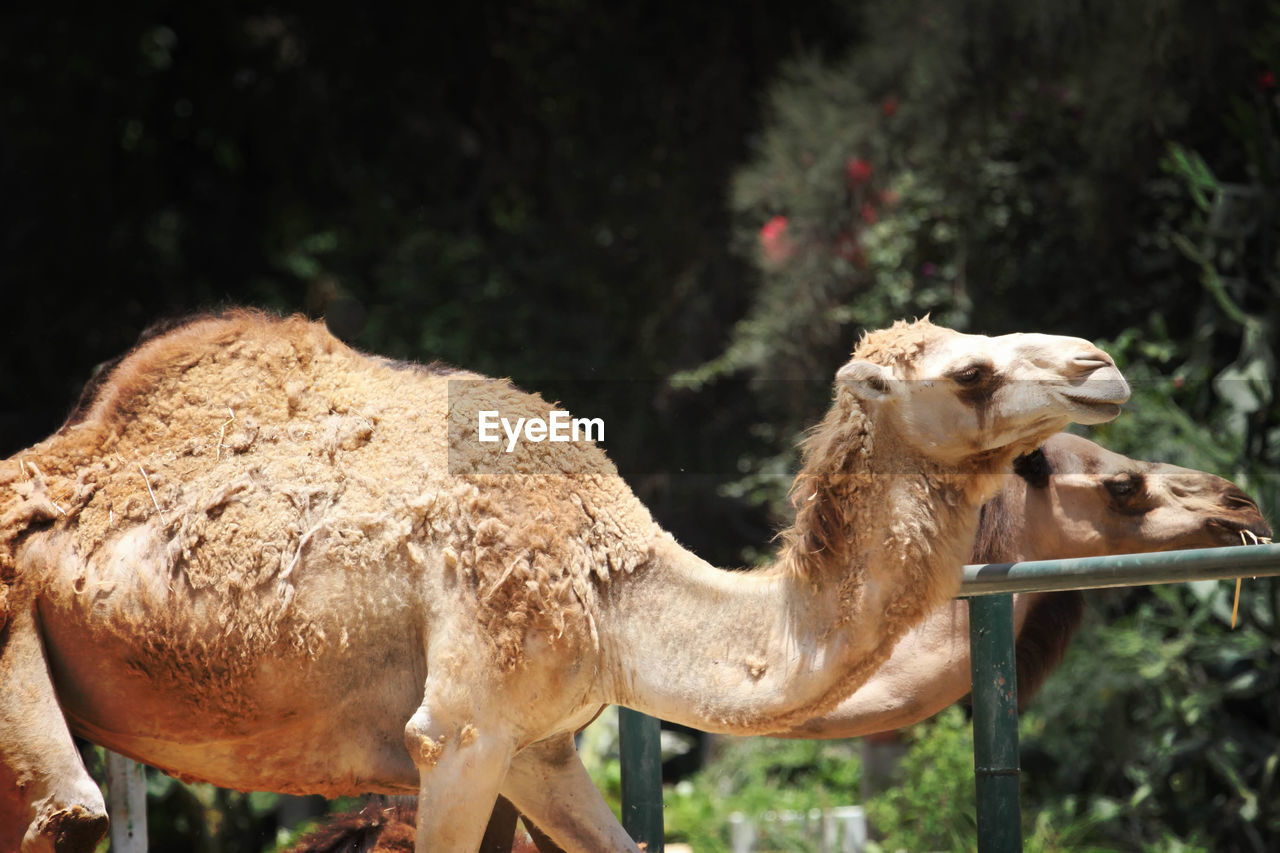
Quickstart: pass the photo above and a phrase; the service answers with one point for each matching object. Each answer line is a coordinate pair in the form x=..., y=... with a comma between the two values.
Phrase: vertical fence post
x=641, y=754
x=995, y=723
x=127, y=804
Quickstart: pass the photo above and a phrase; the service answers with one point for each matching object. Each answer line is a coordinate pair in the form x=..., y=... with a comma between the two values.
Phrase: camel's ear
x=868, y=381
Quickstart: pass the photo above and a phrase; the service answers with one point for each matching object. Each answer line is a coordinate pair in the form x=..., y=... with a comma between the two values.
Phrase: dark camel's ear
x=1034, y=468
x=867, y=380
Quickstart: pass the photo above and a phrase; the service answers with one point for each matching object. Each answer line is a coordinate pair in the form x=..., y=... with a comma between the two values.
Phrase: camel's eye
x=1124, y=487
x=971, y=375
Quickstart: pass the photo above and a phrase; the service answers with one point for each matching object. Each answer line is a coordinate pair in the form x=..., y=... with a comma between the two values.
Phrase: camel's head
x=958, y=398
x=1098, y=502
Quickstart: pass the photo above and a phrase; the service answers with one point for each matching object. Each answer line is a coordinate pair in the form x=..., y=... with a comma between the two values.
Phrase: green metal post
x=641, y=754
x=995, y=723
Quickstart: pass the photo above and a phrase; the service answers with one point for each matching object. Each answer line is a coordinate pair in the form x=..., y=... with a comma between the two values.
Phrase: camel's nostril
x=1092, y=361
x=1237, y=499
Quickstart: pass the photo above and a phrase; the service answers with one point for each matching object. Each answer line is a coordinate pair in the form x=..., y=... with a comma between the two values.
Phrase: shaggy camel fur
x=1070, y=498
x=247, y=514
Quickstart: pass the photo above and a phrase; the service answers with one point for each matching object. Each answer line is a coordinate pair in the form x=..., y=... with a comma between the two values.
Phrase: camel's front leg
x=48, y=802
x=462, y=752
x=549, y=785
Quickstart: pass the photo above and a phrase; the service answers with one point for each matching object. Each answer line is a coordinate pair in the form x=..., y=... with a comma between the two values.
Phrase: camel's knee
x=46, y=810
x=425, y=747
x=64, y=828
x=454, y=753
x=48, y=801
x=428, y=740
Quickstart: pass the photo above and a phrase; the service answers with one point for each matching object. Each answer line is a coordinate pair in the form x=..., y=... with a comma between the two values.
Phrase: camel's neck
x=1002, y=525
x=713, y=648
x=753, y=652
x=1025, y=522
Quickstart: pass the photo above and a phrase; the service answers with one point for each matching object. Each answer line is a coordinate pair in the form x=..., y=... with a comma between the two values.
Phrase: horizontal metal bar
x=1122, y=570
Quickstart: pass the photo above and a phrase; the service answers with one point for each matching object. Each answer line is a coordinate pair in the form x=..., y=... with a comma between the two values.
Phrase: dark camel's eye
x=1123, y=488
x=970, y=375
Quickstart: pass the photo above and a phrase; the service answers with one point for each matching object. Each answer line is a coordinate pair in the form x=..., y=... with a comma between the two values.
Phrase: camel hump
x=103, y=372
x=144, y=418
x=260, y=453
x=166, y=350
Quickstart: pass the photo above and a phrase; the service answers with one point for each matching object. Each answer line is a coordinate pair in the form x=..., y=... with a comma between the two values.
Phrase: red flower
x=889, y=106
x=857, y=171
x=1266, y=81
x=869, y=213
x=773, y=239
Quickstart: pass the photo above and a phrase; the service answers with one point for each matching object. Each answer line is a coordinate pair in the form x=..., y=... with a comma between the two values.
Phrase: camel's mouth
x=1234, y=531
x=1103, y=410
x=1099, y=405
x=1099, y=395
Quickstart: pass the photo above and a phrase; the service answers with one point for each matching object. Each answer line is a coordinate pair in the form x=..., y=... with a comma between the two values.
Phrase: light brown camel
x=1070, y=498
x=247, y=515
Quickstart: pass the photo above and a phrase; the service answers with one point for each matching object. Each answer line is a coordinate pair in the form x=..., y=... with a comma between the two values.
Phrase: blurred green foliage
x=930, y=806
x=755, y=776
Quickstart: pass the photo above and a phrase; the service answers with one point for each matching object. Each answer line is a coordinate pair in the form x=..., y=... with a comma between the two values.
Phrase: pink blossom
x=773, y=239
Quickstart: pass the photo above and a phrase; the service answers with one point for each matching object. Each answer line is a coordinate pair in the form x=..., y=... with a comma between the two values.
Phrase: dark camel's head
x=1083, y=501
x=1072, y=498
